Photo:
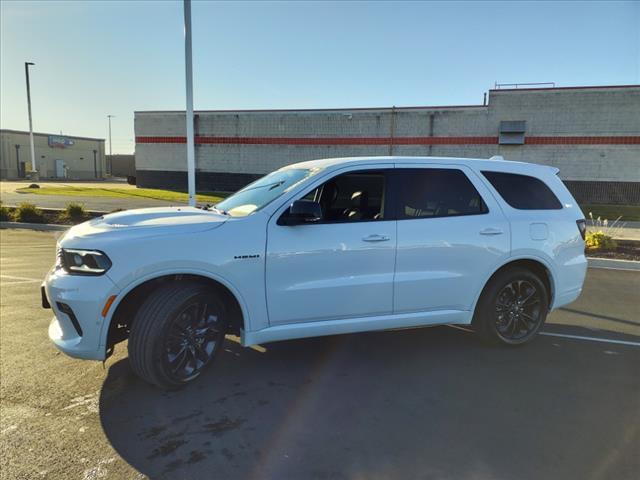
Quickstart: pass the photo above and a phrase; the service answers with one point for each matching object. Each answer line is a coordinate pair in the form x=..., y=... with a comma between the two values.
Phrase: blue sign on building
x=56, y=141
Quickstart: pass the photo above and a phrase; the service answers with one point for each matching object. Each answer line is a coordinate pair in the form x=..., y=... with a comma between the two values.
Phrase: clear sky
x=96, y=58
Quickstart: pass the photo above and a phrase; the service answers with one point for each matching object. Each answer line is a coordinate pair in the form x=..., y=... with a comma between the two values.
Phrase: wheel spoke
x=181, y=362
x=529, y=318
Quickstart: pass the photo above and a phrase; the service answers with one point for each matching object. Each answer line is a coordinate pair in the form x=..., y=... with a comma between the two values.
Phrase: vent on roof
x=512, y=132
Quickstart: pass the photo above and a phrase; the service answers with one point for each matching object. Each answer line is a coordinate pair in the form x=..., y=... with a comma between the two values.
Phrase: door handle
x=375, y=238
x=491, y=231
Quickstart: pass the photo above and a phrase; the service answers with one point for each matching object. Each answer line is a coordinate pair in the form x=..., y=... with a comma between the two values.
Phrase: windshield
x=263, y=191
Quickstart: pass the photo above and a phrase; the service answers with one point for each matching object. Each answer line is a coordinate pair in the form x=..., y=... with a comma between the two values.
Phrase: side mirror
x=302, y=211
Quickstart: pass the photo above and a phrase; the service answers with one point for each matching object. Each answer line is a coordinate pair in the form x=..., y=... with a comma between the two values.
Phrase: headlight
x=83, y=262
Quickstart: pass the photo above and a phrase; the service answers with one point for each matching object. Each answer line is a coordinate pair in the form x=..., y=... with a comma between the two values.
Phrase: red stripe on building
x=211, y=140
x=611, y=140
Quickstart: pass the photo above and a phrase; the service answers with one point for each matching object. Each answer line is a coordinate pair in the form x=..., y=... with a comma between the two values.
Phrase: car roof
x=495, y=163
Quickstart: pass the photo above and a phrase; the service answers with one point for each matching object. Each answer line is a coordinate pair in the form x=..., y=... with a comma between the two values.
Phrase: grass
x=629, y=213
x=168, y=195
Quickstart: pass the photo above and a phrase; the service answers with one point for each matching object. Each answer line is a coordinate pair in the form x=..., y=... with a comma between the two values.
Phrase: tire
x=176, y=334
x=512, y=308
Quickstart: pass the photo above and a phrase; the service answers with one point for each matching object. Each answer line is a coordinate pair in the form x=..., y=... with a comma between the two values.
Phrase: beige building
x=57, y=156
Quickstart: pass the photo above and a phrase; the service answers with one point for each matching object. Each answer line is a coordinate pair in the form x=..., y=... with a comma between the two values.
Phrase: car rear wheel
x=512, y=308
x=176, y=334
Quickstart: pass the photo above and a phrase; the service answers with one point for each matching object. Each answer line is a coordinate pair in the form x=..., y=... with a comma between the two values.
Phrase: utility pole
x=191, y=161
x=110, y=150
x=33, y=149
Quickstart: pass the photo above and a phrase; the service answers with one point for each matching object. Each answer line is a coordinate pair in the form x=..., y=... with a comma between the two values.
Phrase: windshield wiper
x=210, y=207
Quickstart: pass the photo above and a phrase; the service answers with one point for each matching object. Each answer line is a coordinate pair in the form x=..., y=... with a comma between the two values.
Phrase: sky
x=96, y=58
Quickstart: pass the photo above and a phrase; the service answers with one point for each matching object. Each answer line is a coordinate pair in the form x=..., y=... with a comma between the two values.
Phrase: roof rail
x=497, y=157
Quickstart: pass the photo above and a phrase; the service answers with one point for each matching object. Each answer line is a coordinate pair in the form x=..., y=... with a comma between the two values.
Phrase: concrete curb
x=613, y=264
x=43, y=227
x=627, y=224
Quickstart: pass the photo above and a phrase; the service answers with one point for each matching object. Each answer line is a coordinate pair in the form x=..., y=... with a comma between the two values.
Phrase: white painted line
x=565, y=335
x=12, y=277
x=458, y=327
x=591, y=339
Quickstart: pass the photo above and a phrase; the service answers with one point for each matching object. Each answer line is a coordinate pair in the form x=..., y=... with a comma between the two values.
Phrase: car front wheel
x=176, y=334
x=512, y=308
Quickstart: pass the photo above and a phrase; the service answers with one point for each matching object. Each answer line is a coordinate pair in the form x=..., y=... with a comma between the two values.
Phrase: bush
x=600, y=241
x=74, y=212
x=29, y=213
x=34, y=185
x=5, y=215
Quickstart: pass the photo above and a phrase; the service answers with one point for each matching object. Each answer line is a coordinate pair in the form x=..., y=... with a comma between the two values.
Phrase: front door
x=451, y=235
x=339, y=267
x=59, y=168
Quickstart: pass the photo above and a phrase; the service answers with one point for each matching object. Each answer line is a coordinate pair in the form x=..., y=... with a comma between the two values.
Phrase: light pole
x=110, y=150
x=191, y=161
x=33, y=149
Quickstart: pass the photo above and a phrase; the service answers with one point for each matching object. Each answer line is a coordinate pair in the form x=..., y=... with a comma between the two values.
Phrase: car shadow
x=425, y=403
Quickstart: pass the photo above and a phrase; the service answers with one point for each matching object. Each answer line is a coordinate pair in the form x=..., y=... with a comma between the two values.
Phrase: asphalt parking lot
x=431, y=403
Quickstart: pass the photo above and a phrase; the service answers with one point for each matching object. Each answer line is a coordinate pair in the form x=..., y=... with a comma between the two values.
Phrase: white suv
x=321, y=248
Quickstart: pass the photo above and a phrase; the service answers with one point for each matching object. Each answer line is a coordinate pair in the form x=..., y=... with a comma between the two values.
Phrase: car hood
x=146, y=222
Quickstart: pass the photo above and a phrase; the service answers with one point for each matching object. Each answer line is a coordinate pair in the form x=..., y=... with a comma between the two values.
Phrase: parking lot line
x=591, y=339
x=13, y=280
x=566, y=335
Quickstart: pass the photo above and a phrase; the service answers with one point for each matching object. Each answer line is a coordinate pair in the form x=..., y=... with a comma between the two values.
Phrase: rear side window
x=435, y=192
x=523, y=192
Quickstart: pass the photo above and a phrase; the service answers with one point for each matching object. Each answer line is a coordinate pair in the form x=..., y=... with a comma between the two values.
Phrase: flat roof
x=339, y=109
x=587, y=87
x=7, y=130
x=392, y=108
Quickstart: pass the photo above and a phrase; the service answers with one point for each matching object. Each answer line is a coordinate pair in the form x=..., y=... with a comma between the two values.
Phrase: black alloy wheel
x=512, y=307
x=193, y=338
x=518, y=311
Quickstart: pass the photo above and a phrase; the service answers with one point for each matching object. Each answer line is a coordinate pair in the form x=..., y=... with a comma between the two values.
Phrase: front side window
x=351, y=197
x=264, y=190
x=523, y=192
x=436, y=192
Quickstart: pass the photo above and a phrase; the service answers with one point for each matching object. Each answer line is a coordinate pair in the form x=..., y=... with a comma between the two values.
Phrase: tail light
x=582, y=226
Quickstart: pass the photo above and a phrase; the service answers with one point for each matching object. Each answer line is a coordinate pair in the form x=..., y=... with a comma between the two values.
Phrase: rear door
x=451, y=235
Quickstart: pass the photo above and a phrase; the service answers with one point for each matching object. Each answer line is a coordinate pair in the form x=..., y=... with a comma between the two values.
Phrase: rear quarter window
x=523, y=191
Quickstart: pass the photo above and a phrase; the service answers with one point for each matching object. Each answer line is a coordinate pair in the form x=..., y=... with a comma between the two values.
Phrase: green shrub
x=5, y=214
x=28, y=213
x=600, y=241
x=74, y=212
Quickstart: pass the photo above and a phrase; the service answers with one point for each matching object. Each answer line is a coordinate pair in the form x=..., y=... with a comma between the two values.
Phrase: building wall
x=121, y=165
x=591, y=134
x=79, y=157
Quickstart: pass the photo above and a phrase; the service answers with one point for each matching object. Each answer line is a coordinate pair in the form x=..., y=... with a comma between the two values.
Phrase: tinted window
x=523, y=192
x=351, y=197
x=431, y=192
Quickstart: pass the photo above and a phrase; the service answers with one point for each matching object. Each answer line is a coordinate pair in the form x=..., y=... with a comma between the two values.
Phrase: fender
x=161, y=273
x=523, y=256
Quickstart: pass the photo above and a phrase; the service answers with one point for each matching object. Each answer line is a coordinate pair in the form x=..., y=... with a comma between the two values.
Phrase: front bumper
x=77, y=303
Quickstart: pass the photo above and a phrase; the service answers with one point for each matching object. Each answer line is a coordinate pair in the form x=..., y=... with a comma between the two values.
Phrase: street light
x=33, y=150
x=110, y=150
x=191, y=161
